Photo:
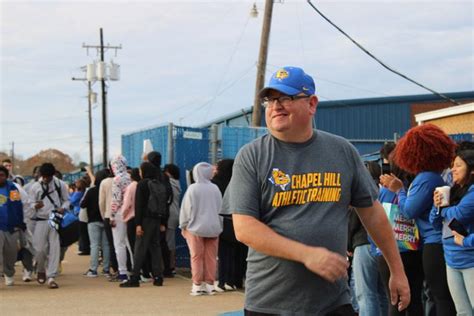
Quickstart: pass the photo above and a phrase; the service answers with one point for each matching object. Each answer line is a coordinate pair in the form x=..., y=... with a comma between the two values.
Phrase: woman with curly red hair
x=425, y=151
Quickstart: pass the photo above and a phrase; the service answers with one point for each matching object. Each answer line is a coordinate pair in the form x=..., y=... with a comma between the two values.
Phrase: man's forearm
x=262, y=238
x=377, y=225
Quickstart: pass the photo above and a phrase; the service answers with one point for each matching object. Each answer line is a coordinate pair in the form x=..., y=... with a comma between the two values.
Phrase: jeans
x=98, y=240
x=369, y=288
x=461, y=286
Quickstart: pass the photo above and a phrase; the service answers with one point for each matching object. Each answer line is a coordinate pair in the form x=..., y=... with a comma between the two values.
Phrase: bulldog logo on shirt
x=15, y=196
x=280, y=178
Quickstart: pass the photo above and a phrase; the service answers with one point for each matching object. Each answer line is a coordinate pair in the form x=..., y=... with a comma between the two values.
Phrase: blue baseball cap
x=290, y=81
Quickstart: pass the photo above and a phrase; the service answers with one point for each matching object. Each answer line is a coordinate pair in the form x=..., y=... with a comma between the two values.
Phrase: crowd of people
x=124, y=218
x=311, y=228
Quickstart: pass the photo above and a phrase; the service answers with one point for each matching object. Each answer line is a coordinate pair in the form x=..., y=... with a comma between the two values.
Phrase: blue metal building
x=367, y=123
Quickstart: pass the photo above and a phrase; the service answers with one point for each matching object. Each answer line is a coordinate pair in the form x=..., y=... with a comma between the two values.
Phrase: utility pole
x=102, y=76
x=13, y=156
x=89, y=98
x=105, y=147
x=262, y=62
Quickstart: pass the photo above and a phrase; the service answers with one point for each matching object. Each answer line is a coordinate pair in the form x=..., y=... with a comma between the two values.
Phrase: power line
x=378, y=60
x=378, y=93
x=224, y=73
x=230, y=85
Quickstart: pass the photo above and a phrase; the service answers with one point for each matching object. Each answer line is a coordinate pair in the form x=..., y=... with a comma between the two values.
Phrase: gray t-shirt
x=301, y=191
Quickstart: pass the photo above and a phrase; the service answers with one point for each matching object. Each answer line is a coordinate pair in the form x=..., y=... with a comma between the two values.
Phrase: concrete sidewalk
x=78, y=295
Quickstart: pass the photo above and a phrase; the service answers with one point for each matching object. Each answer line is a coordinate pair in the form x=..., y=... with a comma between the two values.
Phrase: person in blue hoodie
x=11, y=221
x=425, y=151
x=459, y=259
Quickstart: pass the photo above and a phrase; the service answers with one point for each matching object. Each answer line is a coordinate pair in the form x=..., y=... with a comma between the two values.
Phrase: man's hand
x=458, y=238
x=329, y=265
x=399, y=291
x=112, y=222
x=162, y=228
x=139, y=231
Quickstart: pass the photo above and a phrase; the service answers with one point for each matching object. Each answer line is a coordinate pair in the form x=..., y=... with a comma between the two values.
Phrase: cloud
x=191, y=61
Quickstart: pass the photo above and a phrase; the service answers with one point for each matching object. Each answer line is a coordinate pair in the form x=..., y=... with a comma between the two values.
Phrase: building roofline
x=454, y=110
x=363, y=101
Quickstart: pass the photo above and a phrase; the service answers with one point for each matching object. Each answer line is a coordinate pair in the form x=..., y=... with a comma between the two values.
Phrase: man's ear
x=313, y=102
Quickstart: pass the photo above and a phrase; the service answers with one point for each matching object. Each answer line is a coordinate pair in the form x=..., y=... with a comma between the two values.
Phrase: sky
x=189, y=62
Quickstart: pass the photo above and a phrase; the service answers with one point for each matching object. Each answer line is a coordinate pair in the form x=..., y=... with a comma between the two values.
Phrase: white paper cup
x=444, y=191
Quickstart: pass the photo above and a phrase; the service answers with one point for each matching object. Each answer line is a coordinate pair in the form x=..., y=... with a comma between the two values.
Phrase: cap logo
x=282, y=74
x=305, y=89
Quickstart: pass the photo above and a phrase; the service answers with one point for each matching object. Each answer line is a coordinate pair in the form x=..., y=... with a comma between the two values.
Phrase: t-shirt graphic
x=305, y=188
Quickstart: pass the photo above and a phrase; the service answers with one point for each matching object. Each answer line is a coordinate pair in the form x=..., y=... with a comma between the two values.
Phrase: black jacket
x=142, y=194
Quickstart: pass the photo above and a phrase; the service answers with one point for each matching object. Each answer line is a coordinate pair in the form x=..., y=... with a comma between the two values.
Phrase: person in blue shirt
x=412, y=259
x=425, y=151
x=11, y=221
x=459, y=258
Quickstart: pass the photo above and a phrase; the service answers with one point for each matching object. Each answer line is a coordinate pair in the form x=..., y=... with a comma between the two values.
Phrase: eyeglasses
x=284, y=100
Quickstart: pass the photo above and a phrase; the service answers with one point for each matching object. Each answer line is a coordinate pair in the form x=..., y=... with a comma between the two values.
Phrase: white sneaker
x=197, y=290
x=27, y=276
x=228, y=287
x=145, y=279
x=9, y=281
x=209, y=288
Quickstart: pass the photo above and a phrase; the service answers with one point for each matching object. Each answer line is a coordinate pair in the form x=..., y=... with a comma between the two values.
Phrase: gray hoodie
x=201, y=204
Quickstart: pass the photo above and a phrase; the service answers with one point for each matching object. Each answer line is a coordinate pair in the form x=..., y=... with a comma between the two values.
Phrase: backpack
x=157, y=201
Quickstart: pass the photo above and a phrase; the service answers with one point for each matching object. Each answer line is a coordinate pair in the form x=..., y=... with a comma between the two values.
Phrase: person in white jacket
x=201, y=225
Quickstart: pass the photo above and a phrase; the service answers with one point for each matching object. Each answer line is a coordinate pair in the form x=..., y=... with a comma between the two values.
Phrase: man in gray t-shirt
x=289, y=195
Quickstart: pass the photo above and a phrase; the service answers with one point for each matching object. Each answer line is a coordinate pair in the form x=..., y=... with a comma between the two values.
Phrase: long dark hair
x=458, y=191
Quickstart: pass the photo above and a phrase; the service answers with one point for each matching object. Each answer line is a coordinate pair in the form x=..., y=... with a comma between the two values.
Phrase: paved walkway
x=78, y=295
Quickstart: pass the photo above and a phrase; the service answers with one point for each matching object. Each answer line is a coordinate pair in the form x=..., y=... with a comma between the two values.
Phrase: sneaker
x=52, y=283
x=27, y=275
x=144, y=279
x=130, y=283
x=197, y=290
x=41, y=277
x=122, y=278
x=209, y=289
x=158, y=281
x=228, y=287
x=9, y=281
x=220, y=288
x=91, y=274
x=105, y=273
